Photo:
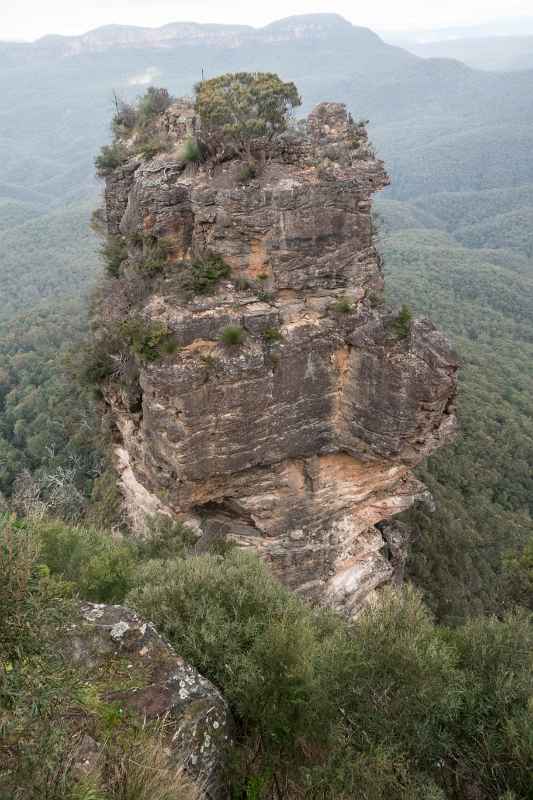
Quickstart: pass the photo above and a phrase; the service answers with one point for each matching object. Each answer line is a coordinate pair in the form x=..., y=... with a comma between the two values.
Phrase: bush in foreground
x=389, y=707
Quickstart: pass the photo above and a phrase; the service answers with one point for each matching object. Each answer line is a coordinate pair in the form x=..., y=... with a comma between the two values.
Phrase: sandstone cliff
x=301, y=436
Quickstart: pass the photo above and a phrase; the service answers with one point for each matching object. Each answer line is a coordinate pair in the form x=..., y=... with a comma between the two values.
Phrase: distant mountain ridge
x=307, y=26
x=441, y=125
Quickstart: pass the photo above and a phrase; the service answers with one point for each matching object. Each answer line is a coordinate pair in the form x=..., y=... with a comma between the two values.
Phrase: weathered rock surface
x=128, y=664
x=303, y=438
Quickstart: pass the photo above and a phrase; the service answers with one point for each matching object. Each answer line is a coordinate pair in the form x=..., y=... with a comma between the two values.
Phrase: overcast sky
x=29, y=19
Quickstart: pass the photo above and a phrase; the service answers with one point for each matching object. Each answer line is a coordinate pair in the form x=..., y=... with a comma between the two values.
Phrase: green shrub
x=47, y=705
x=232, y=336
x=135, y=238
x=95, y=360
x=402, y=324
x=238, y=108
x=114, y=252
x=101, y=567
x=192, y=152
x=151, y=146
x=125, y=118
x=343, y=306
x=105, y=504
x=355, y=140
x=148, y=340
x=387, y=707
x=156, y=253
x=377, y=774
x=206, y=272
x=272, y=335
x=110, y=157
x=491, y=748
x=386, y=672
x=166, y=539
x=243, y=630
x=518, y=574
x=375, y=298
x=248, y=172
x=154, y=102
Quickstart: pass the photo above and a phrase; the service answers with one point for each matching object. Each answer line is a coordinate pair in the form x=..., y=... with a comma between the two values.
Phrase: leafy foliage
x=156, y=251
x=114, y=252
x=110, y=157
x=322, y=706
x=482, y=484
x=148, y=340
x=151, y=146
x=382, y=699
x=153, y=103
x=125, y=117
x=248, y=172
x=402, y=324
x=232, y=336
x=518, y=575
x=343, y=306
x=192, y=152
x=46, y=705
x=272, y=335
x=206, y=272
x=242, y=106
x=48, y=421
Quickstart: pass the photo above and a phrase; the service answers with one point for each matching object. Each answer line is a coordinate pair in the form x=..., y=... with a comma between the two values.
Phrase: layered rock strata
x=298, y=440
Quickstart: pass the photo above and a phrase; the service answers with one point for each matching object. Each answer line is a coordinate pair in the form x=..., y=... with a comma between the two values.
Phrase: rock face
x=133, y=668
x=302, y=438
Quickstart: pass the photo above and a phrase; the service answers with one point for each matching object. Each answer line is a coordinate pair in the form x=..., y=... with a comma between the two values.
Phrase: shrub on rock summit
x=240, y=107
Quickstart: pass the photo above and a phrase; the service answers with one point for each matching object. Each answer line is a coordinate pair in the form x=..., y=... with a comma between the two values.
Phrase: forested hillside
x=483, y=485
x=457, y=236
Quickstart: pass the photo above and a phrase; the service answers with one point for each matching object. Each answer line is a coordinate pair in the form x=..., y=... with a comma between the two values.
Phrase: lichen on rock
x=300, y=436
x=128, y=666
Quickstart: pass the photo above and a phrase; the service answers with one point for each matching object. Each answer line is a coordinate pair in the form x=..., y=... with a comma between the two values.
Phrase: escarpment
x=259, y=388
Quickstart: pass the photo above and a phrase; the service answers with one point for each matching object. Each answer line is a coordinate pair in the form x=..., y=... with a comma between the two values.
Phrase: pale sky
x=29, y=19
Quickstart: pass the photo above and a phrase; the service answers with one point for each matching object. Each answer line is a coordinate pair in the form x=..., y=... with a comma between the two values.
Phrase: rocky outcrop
x=133, y=671
x=301, y=438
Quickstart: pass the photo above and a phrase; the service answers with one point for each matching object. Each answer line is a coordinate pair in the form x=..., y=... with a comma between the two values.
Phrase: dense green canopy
x=242, y=106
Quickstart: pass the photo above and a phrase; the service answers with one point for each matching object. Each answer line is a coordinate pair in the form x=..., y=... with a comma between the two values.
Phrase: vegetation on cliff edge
x=389, y=707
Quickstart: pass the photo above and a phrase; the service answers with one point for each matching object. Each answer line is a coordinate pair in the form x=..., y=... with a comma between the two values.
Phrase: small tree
x=238, y=108
x=110, y=157
x=154, y=102
x=125, y=117
x=402, y=323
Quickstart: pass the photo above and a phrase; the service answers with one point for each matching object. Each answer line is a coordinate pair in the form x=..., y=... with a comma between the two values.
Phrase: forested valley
x=456, y=235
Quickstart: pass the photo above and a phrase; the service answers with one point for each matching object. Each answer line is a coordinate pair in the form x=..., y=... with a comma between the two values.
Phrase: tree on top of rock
x=237, y=109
